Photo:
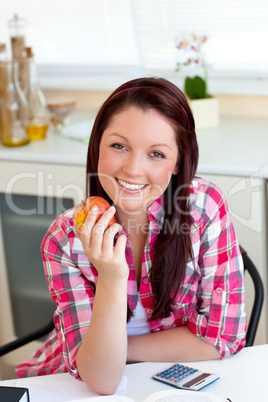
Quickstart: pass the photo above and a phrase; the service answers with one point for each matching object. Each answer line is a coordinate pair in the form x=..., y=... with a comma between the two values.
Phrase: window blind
x=237, y=31
x=76, y=32
x=114, y=34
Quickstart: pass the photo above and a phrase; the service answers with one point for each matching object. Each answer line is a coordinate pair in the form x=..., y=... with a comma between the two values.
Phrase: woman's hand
x=102, y=355
x=98, y=244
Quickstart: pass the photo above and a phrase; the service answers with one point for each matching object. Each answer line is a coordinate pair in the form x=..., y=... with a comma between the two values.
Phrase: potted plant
x=204, y=106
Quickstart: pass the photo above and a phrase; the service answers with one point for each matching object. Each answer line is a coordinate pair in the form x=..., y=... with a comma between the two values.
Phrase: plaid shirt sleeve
x=219, y=316
x=71, y=280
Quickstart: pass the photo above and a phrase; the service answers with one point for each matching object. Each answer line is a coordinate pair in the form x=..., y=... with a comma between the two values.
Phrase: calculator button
x=176, y=373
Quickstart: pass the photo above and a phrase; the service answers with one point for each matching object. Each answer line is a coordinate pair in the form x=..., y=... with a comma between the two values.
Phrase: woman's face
x=137, y=156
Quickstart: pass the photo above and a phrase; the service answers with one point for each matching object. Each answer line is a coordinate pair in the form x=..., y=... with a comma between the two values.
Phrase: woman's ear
x=176, y=169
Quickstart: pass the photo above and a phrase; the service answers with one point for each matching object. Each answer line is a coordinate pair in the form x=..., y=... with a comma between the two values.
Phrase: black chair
x=23, y=340
x=252, y=323
x=258, y=297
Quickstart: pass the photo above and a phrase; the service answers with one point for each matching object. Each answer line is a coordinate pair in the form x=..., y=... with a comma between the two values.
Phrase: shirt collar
x=156, y=211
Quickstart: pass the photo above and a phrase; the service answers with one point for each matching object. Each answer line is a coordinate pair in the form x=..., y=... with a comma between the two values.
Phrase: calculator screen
x=196, y=380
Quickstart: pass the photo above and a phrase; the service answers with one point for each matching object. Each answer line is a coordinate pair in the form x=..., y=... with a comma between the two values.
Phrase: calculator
x=185, y=377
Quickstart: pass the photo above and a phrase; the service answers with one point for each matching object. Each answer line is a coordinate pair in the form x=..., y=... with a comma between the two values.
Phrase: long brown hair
x=173, y=248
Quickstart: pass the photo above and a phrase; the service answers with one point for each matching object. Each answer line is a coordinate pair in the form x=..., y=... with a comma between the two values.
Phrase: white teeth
x=131, y=186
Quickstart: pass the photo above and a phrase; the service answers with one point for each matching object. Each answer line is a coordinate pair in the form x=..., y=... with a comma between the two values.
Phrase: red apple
x=82, y=209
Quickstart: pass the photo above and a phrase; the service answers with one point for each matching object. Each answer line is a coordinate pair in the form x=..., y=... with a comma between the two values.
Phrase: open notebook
x=176, y=395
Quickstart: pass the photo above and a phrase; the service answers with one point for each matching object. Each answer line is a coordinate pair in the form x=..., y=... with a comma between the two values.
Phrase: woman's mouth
x=129, y=186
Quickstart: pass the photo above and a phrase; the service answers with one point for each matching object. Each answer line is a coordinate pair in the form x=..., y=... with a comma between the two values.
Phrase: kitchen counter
x=54, y=149
x=239, y=146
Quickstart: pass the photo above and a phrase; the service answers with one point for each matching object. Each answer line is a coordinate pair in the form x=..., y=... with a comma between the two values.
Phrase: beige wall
x=85, y=100
x=230, y=105
x=243, y=105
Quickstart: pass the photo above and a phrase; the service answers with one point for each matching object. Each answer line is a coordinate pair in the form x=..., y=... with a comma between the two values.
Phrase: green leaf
x=196, y=88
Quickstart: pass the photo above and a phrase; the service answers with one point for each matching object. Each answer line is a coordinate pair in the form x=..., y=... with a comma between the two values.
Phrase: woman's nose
x=134, y=166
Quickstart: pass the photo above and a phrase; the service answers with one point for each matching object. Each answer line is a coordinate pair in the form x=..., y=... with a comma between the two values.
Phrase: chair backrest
x=258, y=297
x=23, y=340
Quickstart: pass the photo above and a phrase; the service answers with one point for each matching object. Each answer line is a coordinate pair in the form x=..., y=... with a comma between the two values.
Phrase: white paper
x=78, y=130
x=57, y=388
x=183, y=396
x=110, y=398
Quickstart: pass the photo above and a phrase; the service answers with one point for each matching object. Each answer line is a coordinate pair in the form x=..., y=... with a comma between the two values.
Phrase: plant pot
x=206, y=112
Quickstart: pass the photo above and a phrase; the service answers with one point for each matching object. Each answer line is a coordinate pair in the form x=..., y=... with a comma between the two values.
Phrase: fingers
x=108, y=239
x=104, y=220
x=120, y=246
x=92, y=232
x=97, y=238
x=85, y=233
x=89, y=222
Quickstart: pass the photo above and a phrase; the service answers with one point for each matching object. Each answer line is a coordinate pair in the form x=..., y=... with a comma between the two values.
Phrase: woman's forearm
x=176, y=344
x=102, y=355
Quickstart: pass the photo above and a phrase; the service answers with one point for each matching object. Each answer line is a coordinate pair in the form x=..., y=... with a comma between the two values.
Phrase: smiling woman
x=165, y=281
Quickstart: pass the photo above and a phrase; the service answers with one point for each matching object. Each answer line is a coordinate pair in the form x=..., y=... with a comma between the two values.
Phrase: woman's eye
x=118, y=146
x=157, y=155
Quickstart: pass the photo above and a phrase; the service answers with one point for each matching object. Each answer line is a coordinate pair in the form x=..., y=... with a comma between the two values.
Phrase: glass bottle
x=13, y=106
x=17, y=27
x=3, y=52
x=3, y=59
x=38, y=118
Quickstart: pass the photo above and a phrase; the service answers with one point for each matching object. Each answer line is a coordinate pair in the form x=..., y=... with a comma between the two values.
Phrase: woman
x=170, y=266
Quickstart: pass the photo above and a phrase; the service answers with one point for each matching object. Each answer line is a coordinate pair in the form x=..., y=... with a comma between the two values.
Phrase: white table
x=243, y=377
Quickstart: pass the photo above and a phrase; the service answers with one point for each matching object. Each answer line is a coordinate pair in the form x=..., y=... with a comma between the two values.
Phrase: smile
x=131, y=186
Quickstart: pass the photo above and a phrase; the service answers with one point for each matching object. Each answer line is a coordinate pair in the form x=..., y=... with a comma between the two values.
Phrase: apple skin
x=82, y=209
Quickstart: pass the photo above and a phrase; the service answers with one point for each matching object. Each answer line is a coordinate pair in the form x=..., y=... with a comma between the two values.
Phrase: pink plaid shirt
x=210, y=303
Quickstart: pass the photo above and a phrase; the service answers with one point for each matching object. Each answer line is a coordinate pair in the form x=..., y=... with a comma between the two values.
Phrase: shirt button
x=145, y=281
x=156, y=329
x=219, y=290
x=149, y=310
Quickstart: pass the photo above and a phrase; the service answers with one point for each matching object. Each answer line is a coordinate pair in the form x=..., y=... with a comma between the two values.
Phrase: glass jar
x=38, y=117
x=13, y=106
